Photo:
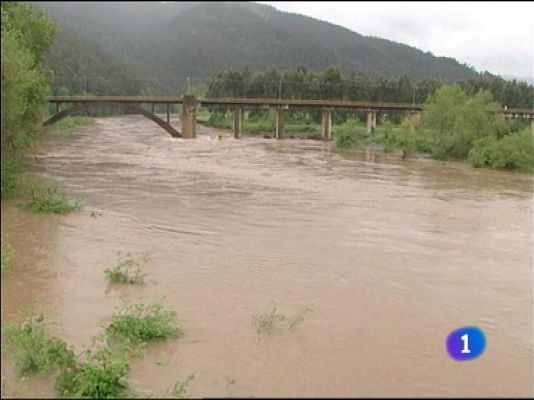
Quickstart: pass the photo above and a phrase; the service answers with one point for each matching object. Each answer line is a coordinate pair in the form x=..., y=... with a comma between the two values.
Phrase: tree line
x=27, y=34
x=331, y=84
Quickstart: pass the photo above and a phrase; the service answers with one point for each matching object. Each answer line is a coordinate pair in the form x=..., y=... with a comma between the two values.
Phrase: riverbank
x=512, y=151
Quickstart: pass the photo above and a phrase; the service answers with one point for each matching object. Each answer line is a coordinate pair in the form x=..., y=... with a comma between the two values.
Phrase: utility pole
x=280, y=89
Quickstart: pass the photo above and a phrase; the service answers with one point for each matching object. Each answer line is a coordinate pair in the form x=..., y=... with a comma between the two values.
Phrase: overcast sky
x=492, y=36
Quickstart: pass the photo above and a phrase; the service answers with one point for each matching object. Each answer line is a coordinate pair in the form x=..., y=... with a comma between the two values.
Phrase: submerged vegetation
x=126, y=270
x=99, y=372
x=271, y=321
x=47, y=199
x=180, y=387
x=33, y=350
x=141, y=323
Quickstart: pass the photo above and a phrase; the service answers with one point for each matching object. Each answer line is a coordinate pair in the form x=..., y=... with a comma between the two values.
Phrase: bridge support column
x=168, y=114
x=415, y=116
x=238, y=123
x=279, y=123
x=189, y=117
x=371, y=122
x=326, y=124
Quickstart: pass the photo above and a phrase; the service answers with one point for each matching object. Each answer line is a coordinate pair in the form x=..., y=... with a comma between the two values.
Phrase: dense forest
x=119, y=47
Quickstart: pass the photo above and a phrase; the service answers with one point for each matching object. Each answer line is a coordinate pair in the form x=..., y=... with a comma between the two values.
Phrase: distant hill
x=124, y=46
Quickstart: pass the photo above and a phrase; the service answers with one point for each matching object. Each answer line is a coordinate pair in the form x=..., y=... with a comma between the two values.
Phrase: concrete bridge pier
x=238, y=123
x=189, y=117
x=326, y=124
x=371, y=121
x=279, y=133
x=415, y=117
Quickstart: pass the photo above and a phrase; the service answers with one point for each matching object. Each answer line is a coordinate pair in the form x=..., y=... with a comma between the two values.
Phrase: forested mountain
x=123, y=47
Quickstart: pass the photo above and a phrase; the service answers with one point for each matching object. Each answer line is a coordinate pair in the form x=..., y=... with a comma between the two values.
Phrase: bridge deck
x=261, y=103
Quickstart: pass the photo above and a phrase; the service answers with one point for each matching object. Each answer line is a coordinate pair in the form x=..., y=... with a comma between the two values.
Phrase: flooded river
x=389, y=256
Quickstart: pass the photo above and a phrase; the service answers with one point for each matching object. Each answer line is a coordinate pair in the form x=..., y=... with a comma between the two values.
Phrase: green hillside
x=124, y=46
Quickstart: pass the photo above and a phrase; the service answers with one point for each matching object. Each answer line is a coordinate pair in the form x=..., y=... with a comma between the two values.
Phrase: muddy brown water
x=389, y=255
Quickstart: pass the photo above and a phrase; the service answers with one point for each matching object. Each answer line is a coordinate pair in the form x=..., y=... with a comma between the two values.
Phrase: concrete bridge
x=238, y=105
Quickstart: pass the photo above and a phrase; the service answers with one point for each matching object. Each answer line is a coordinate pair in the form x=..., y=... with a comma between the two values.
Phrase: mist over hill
x=125, y=47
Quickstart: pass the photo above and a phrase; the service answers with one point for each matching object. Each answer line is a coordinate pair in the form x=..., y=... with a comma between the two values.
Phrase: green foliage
x=140, y=323
x=99, y=374
x=390, y=139
x=33, y=351
x=406, y=139
x=220, y=120
x=11, y=170
x=348, y=134
x=47, y=199
x=513, y=151
x=456, y=121
x=26, y=36
x=7, y=254
x=124, y=272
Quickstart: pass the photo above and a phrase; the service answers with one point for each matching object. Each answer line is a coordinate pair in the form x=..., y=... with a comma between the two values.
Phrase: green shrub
x=348, y=134
x=513, y=152
x=98, y=374
x=406, y=139
x=33, y=350
x=455, y=121
x=139, y=323
x=46, y=199
x=389, y=138
x=11, y=170
x=124, y=272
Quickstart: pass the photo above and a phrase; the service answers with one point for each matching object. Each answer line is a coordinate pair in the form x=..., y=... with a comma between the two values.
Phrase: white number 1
x=465, y=339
